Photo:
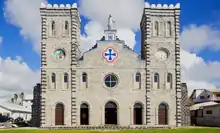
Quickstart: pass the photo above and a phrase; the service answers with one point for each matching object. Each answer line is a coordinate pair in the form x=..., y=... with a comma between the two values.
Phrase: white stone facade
x=159, y=55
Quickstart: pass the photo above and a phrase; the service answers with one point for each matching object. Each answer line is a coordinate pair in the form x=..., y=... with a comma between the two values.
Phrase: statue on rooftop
x=110, y=22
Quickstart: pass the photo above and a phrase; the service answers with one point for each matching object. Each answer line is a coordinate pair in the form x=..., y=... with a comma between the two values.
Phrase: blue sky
x=192, y=12
x=198, y=12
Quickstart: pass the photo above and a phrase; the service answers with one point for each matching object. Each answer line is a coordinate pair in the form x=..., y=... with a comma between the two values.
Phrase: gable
x=111, y=53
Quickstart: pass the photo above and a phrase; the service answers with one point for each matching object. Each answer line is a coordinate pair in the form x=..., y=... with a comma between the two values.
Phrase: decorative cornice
x=159, y=6
x=56, y=6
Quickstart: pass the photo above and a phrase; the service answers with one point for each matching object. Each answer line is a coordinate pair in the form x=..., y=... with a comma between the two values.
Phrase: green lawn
x=183, y=130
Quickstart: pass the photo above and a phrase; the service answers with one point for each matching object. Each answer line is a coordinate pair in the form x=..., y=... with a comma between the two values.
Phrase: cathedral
x=109, y=84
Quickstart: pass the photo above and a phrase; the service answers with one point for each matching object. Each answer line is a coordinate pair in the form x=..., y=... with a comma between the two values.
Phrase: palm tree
x=15, y=97
x=12, y=100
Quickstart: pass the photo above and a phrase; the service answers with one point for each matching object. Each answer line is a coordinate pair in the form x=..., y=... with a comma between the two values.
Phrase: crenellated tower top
x=56, y=6
x=159, y=6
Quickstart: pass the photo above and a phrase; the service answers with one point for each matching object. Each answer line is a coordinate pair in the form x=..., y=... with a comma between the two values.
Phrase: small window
x=202, y=97
x=138, y=77
x=169, y=28
x=156, y=28
x=53, y=78
x=208, y=96
x=156, y=77
x=84, y=77
x=209, y=112
x=65, y=78
x=66, y=27
x=53, y=28
x=169, y=77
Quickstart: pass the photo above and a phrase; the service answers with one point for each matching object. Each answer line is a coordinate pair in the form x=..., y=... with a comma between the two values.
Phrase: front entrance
x=137, y=114
x=162, y=114
x=111, y=113
x=84, y=114
x=59, y=114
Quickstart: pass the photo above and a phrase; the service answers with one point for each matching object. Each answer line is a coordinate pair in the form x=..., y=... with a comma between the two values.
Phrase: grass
x=180, y=130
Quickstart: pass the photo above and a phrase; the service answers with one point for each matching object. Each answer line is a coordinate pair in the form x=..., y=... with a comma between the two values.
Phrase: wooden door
x=59, y=116
x=162, y=116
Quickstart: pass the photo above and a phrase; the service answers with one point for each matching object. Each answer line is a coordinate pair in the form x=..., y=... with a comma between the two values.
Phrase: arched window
x=156, y=81
x=156, y=78
x=138, y=77
x=65, y=78
x=53, y=28
x=84, y=77
x=169, y=30
x=156, y=28
x=53, y=78
x=169, y=79
x=66, y=27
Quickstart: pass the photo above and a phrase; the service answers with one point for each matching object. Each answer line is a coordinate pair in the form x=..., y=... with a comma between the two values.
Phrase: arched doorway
x=111, y=113
x=162, y=114
x=84, y=114
x=59, y=114
x=137, y=114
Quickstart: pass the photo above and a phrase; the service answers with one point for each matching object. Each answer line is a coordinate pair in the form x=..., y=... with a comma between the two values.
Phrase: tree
x=12, y=100
x=15, y=97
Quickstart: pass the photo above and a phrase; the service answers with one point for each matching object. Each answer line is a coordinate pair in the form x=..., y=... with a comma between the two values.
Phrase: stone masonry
x=72, y=81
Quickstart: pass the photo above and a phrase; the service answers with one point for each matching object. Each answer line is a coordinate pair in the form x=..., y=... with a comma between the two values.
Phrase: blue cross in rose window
x=110, y=54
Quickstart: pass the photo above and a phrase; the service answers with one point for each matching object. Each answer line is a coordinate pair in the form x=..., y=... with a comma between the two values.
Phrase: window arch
x=156, y=80
x=156, y=28
x=169, y=79
x=53, y=28
x=169, y=30
x=84, y=77
x=53, y=77
x=156, y=77
x=138, y=77
x=65, y=77
x=66, y=27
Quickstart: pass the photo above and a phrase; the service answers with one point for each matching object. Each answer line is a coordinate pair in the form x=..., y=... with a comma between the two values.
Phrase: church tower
x=59, y=55
x=161, y=51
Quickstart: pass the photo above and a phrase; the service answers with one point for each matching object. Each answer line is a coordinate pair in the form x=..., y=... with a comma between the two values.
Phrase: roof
x=201, y=105
x=214, y=90
x=14, y=107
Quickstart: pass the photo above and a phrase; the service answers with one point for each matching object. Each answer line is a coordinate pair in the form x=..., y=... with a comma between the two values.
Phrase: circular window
x=59, y=54
x=111, y=80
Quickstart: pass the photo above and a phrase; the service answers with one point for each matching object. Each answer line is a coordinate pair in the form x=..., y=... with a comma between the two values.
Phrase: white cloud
x=1, y=39
x=16, y=77
x=121, y=10
x=126, y=13
x=95, y=31
x=195, y=38
x=197, y=73
x=25, y=15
